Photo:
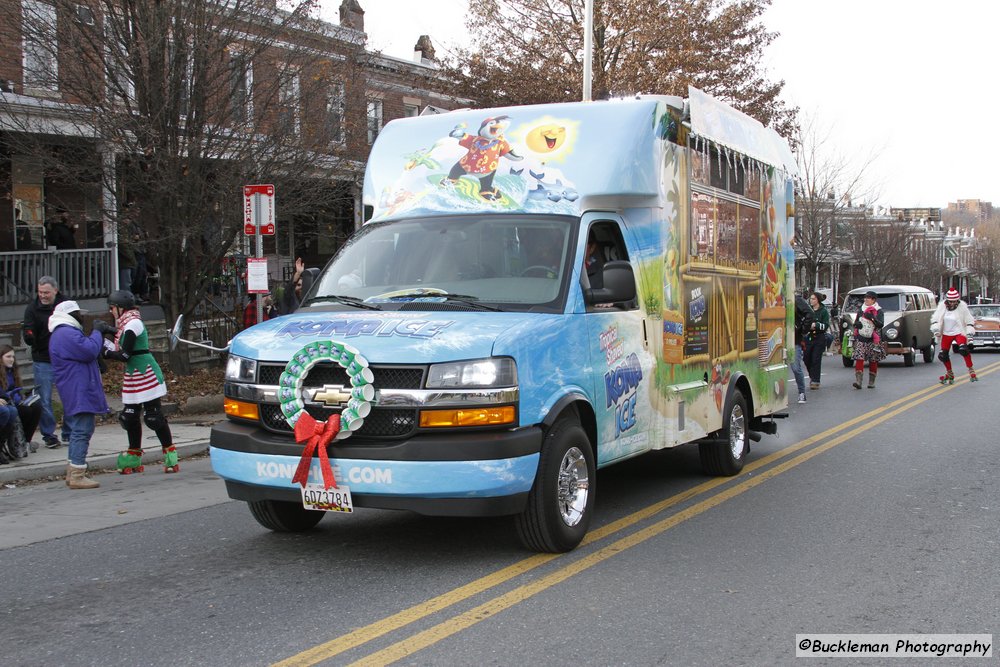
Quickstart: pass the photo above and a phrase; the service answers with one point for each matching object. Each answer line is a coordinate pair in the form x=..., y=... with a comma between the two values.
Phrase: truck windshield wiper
x=341, y=298
x=465, y=299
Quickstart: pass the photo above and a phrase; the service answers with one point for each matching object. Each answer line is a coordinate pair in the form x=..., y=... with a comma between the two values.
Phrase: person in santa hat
x=953, y=326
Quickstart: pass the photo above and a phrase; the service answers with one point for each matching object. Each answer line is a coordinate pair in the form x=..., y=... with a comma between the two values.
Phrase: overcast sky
x=911, y=81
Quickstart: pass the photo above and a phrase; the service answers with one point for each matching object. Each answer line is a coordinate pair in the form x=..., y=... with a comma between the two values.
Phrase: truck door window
x=608, y=245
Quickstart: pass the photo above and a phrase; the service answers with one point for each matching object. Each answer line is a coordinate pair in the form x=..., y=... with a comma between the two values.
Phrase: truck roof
x=551, y=158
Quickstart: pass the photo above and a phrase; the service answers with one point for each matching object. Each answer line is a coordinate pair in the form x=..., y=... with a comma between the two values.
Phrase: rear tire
x=928, y=353
x=561, y=501
x=727, y=455
x=284, y=517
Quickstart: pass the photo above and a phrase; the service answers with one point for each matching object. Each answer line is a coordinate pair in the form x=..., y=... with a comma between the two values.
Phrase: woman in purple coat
x=78, y=379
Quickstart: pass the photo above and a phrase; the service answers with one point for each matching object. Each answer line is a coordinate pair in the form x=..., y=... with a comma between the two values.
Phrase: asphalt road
x=872, y=511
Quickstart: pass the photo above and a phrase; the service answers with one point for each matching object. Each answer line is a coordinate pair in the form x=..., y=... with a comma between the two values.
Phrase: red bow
x=316, y=435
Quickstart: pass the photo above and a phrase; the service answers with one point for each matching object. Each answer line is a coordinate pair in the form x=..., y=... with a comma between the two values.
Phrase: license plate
x=315, y=497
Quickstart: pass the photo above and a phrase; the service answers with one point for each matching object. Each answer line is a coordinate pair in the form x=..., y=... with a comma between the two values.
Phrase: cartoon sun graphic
x=546, y=138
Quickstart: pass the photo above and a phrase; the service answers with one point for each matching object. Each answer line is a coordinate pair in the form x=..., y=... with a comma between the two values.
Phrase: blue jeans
x=43, y=385
x=81, y=429
x=800, y=380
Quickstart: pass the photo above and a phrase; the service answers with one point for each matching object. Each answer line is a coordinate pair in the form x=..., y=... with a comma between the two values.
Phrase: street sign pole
x=258, y=220
x=259, y=240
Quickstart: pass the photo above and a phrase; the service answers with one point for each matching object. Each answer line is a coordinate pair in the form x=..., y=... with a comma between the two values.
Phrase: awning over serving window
x=725, y=126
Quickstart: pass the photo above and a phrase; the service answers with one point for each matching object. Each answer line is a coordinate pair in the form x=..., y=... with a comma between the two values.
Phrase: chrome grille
x=380, y=422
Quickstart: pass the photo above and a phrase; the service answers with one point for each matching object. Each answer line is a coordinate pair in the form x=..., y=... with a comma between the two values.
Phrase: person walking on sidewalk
x=78, y=379
x=953, y=325
x=803, y=324
x=29, y=409
x=868, y=343
x=35, y=332
x=142, y=387
x=816, y=338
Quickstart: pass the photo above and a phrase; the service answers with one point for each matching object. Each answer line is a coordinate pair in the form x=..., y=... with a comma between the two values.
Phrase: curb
x=13, y=472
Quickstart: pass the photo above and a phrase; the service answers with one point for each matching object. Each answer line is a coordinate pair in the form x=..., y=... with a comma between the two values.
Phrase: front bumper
x=451, y=474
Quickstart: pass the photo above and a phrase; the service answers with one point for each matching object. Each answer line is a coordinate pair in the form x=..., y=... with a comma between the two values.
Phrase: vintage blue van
x=539, y=292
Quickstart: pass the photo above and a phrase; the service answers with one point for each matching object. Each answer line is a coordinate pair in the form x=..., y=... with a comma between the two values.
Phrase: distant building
x=971, y=211
x=925, y=214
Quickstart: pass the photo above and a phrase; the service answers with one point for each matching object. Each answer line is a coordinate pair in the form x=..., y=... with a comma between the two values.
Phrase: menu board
x=749, y=317
x=697, y=299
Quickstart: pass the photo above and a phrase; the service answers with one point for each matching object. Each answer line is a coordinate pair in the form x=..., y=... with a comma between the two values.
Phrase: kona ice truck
x=539, y=292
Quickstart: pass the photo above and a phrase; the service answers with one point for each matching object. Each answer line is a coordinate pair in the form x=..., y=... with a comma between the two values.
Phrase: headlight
x=240, y=369
x=895, y=324
x=891, y=333
x=492, y=372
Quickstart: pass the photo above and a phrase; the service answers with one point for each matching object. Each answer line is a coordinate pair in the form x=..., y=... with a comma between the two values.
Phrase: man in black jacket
x=803, y=323
x=35, y=332
x=61, y=234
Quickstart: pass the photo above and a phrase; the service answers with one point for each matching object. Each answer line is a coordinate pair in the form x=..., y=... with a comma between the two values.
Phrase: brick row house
x=134, y=125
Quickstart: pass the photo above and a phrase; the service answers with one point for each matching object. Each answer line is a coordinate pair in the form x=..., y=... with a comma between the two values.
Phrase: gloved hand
x=104, y=327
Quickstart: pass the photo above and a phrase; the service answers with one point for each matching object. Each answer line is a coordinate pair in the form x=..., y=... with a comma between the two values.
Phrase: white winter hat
x=67, y=307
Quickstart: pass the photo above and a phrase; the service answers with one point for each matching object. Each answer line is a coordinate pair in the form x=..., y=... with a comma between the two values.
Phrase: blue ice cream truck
x=539, y=292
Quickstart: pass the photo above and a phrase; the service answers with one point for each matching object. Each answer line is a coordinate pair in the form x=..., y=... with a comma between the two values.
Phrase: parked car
x=907, y=329
x=987, y=324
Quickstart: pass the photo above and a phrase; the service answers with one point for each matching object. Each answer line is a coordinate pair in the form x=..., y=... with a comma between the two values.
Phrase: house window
x=241, y=81
x=374, y=119
x=41, y=67
x=335, y=113
x=288, y=106
x=410, y=110
x=118, y=45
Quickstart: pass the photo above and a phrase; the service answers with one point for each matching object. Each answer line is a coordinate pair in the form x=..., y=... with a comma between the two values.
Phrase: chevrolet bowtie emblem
x=332, y=395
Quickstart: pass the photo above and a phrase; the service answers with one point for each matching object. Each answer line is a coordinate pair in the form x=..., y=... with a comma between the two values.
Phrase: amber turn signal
x=241, y=409
x=470, y=417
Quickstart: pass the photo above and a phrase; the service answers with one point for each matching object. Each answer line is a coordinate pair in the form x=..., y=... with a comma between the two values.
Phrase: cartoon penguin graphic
x=484, y=152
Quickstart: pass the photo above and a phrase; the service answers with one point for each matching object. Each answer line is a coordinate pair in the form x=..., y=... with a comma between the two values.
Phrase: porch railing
x=82, y=274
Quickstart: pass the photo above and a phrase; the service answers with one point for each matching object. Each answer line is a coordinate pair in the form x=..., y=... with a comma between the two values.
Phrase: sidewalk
x=190, y=434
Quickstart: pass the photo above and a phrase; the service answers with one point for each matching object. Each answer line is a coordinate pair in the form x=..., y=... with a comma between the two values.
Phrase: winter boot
x=947, y=378
x=130, y=461
x=76, y=478
x=858, y=376
x=871, y=379
x=170, y=463
x=972, y=374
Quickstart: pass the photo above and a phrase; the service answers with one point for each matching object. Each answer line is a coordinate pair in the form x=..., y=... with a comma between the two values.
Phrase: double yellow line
x=841, y=433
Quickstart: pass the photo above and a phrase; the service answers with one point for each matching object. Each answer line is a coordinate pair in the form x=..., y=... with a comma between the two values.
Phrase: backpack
x=803, y=317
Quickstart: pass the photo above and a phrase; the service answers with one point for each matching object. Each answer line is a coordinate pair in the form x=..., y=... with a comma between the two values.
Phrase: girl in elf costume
x=142, y=387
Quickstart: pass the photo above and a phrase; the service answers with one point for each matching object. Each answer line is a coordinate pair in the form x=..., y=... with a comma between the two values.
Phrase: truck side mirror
x=619, y=284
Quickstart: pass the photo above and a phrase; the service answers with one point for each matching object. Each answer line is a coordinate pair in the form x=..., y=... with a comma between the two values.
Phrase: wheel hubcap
x=737, y=431
x=574, y=486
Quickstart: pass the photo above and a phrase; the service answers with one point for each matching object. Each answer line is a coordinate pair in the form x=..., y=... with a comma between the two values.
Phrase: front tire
x=928, y=353
x=727, y=455
x=561, y=501
x=848, y=362
x=284, y=517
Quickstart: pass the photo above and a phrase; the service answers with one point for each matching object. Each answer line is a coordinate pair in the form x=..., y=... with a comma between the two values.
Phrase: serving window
x=725, y=212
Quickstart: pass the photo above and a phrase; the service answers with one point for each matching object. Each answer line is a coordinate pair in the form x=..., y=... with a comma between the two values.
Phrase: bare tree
x=986, y=259
x=174, y=106
x=881, y=249
x=531, y=51
x=831, y=197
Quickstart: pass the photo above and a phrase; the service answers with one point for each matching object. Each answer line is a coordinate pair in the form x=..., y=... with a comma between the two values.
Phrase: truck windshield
x=509, y=262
